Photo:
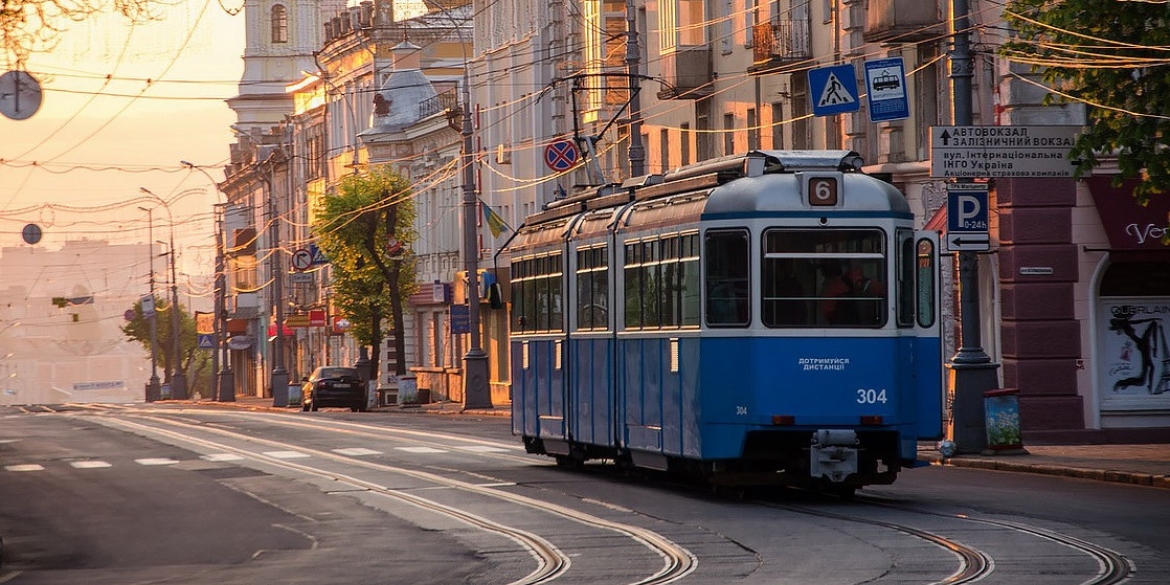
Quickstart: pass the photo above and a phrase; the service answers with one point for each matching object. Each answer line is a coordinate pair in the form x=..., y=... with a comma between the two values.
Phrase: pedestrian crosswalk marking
x=483, y=449
x=156, y=461
x=90, y=464
x=355, y=451
x=25, y=467
x=420, y=450
x=834, y=93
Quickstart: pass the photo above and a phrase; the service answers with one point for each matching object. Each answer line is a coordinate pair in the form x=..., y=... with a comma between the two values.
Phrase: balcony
x=902, y=21
x=780, y=43
x=687, y=71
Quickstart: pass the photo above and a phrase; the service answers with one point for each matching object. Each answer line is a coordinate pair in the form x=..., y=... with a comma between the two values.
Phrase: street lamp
x=178, y=378
x=152, y=392
x=225, y=387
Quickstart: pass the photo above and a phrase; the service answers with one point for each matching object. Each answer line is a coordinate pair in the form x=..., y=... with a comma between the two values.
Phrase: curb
x=1106, y=475
x=933, y=457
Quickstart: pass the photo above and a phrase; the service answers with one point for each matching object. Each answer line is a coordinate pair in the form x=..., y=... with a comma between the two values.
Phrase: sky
x=121, y=105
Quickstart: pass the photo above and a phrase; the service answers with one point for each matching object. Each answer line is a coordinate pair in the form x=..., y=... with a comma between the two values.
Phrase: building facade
x=568, y=95
x=1071, y=300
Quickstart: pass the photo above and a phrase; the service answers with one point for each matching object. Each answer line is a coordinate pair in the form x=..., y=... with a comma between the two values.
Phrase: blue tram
x=761, y=319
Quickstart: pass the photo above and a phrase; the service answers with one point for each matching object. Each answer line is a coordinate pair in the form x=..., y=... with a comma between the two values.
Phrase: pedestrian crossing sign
x=833, y=90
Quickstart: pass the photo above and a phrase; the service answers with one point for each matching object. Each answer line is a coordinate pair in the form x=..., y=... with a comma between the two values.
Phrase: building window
x=706, y=136
x=777, y=126
x=685, y=144
x=753, y=129
x=664, y=150
x=279, y=24
x=728, y=134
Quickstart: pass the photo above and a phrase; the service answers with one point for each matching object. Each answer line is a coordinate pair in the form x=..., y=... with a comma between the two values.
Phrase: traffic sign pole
x=971, y=371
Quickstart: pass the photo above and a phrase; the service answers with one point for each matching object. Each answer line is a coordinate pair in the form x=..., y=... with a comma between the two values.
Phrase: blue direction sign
x=967, y=217
x=885, y=81
x=560, y=155
x=833, y=90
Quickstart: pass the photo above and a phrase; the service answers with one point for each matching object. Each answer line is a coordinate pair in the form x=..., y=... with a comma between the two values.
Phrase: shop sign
x=1127, y=224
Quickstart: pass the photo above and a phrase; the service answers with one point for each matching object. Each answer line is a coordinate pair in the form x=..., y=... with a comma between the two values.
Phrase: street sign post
x=967, y=217
x=885, y=81
x=833, y=90
x=1002, y=151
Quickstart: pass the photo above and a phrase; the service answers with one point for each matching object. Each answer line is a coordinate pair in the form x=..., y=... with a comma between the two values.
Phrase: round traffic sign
x=302, y=259
x=561, y=155
x=31, y=233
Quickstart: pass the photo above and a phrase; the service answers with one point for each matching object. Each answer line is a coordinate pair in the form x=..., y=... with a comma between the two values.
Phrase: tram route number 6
x=822, y=191
x=871, y=396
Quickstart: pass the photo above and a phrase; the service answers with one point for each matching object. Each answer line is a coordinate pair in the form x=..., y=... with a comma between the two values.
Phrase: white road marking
x=90, y=464
x=156, y=461
x=26, y=467
x=355, y=451
x=420, y=450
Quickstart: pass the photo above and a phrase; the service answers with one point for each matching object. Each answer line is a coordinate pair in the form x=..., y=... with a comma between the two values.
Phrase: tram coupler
x=833, y=454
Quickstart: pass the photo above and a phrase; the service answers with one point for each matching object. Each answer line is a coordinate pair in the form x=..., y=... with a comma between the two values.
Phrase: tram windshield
x=824, y=278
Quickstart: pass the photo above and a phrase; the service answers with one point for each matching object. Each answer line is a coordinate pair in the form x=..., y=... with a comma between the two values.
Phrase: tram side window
x=537, y=294
x=728, y=282
x=592, y=288
x=661, y=282
x=632, y=279
x=688, y=280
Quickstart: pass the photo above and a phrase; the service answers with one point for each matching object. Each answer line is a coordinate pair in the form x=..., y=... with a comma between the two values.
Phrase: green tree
x=1111, y=56
x=195, y=363
x=366, y=229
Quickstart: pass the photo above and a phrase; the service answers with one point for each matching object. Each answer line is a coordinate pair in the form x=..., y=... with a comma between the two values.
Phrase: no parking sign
x=561, y=155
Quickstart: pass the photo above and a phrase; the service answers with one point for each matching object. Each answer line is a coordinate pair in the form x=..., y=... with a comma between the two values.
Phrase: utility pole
x=971, y=371
x=226, y=384
x=476, y=391
x=279, y=379
x=152, y=392
x=223, y=386
x=178, y=378
x=637, y=151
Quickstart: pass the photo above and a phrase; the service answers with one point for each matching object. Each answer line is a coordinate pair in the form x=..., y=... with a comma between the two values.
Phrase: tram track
x=974, y=565
x=677, y=562
x=1114, y=568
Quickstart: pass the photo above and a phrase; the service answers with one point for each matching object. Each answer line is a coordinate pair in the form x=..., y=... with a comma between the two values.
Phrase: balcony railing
x=779, y=43
x=903, y=21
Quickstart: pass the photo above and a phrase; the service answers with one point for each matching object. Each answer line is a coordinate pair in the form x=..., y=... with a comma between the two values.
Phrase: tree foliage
x=32, y=26
x=365, y=230
x=195, y=364
x=1114, y=57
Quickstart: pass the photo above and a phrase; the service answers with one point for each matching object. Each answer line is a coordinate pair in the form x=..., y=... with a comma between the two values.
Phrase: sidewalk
x=1147, y=465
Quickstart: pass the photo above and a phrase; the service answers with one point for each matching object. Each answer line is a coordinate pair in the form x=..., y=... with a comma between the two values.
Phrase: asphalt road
x=154, y=493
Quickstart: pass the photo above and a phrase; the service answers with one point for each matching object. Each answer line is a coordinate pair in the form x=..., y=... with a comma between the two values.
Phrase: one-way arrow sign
x=968, y=242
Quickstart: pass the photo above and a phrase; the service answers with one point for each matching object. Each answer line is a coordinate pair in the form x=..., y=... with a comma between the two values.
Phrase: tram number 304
x=871, y=396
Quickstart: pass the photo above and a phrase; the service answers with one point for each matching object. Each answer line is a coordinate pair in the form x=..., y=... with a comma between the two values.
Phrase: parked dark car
x=334, y=386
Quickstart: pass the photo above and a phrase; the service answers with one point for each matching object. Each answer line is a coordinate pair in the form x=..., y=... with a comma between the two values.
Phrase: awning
x=938, y=221
x=1128, y=225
